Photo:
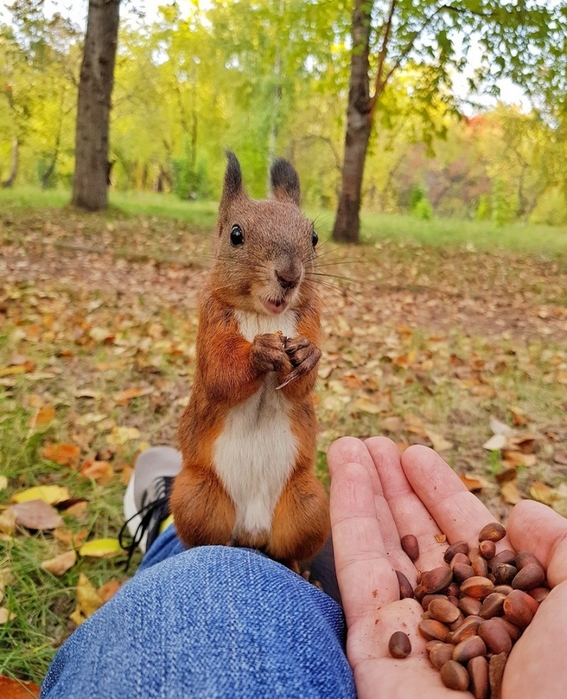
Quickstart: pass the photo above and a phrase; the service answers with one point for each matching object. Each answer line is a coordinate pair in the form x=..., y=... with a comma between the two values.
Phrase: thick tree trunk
x=9, y=183
x=90, y=181
x=359, y=123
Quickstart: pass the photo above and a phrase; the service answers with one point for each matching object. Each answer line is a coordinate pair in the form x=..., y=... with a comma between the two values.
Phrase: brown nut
x=511, y=629
x=493, y=531
x=460, y=558
x=436, y=580
x=477, y=586
x=443, y=610
x=478, y=673
x=495, y=636
x=406, y=590
x=517, y=609
x=469, y=648
x=433, y=630
x=480, y=566
x=453, y=590
x=503, y=589
x=492, y=605
x=505, y=556
x=399, y=645
x=454, y=676
x=426, y=601
x=487, y=549
x=539, y=593
x=462, y=571
x=459, y=621
x=470, y=605
x=525, y=557
x=504, y=573
x=468, y=628
x=530, y=576
x=457, y=547
x=495, y=674
x=440, y=654
x=410, y=546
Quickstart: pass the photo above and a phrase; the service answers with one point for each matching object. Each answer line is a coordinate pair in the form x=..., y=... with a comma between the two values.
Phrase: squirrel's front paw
x=269, y=353
x=303, y=356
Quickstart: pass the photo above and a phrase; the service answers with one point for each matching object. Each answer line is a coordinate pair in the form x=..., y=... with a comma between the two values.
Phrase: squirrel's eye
x=236, y=236
x=314, y=238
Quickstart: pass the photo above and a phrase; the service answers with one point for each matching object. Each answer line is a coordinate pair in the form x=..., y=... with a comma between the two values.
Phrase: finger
x=408, y=511
x=366, y=579
x=351, y=450
x=458, y=513
x=537, y=528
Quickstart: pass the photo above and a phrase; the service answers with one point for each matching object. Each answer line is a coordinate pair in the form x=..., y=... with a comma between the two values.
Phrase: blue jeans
x=209, y=622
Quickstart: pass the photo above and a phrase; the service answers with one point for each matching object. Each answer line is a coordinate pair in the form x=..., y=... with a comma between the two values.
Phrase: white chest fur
x=256, y=451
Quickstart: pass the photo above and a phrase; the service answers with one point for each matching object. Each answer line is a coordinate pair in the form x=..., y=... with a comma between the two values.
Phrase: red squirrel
x=248, y=434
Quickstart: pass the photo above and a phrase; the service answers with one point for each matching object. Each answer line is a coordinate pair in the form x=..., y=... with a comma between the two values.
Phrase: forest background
x=266, y=78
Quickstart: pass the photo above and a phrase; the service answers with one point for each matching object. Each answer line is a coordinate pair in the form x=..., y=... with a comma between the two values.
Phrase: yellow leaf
x=3, y=482
x=51, y=494
x=8, y=521
x=122, y=435
x=88, y=599
x=542, y=492
x=61, y=563
x=101, y=548
x=6, y=615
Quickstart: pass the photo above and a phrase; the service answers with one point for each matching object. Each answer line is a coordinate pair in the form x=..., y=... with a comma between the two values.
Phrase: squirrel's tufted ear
x=232, y=179
x=285, y=181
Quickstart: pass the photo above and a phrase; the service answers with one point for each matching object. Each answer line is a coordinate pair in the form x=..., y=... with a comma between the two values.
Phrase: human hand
x=378, y=496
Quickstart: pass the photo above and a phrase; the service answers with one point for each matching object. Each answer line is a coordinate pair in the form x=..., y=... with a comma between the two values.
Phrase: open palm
x=378, y=496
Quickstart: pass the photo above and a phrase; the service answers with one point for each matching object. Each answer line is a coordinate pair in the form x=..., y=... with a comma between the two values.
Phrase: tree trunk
x=9, y=183
x=359, y=123
x=90, y=182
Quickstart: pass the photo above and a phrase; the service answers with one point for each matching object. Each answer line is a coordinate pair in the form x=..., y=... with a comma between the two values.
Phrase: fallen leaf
x=439, y=442
x=8, y=521
x=77, y=509
x=392, y=424
x=510, y=493
x=109, y=589
x=69, y=538
x=473, y=484
x=88, y=600
x=37, y=514
x=559, y=456
x=518, y=416
x=6, y=615
x=122, y=435
x=11, y=688
x=43, y=415
x=499, y=427
x=367, y=406
x=526, y=443
x=508, y=474
x=3, y=482
x=52, y=494
x=124, y=397
x=63, y=454
x=541, y=492
x=126, y=475
x=99, y=471
x=101, y=548
x=518, y=458
x=61, y=563
x=495, y=443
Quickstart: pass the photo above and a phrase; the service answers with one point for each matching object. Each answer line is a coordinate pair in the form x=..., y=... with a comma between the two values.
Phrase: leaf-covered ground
x=460, y=350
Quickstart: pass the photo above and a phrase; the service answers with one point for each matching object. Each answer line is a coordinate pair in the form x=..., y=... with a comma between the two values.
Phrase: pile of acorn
x=475, y=609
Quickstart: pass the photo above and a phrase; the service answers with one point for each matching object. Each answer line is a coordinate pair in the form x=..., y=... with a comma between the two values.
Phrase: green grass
x=543, y=240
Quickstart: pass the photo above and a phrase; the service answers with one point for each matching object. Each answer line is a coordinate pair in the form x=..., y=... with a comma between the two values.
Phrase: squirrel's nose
x=288, y=279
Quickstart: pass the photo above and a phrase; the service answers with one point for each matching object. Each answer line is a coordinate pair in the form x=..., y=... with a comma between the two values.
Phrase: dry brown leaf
x=518, y=458
x=352, y=381
x=77, y=509
x=63, y=454
x=126, y=474
x=37, y=515
x=367, y=406
x=510, y=493
x=69, y=538
x=560, y=456
x=508, y=474
x=541, y=492
x=526, y=443
x=392, y=424
x=99, y=471
x=11, y=688
x=439, y=442
x=473, y=484
x=124, y=397
x=518, y=416
x=61, y=563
